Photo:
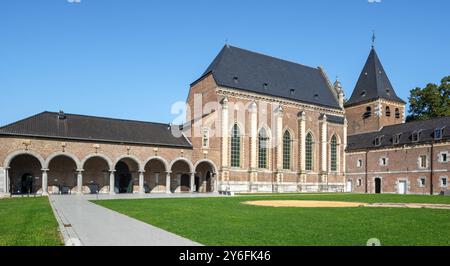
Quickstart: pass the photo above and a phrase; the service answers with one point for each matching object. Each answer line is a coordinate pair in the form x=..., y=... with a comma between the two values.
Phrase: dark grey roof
x=426, y=129
x=373, y=83
x=245, y=70
x=81, y=127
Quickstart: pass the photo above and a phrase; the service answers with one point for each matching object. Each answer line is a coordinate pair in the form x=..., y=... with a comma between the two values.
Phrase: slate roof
x=367, y=140
x=246, y=70
x=373, y=83
x=91, y=128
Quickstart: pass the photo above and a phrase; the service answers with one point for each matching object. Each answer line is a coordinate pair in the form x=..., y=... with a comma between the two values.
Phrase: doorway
x=27, y=184
x=402, y=187
x=349, y=186
x=124, y=181
x=185, y=183
x=377, y=185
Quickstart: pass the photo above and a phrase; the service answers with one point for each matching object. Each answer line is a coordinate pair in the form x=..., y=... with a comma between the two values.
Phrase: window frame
x=309, y=148
x=235, y=141
x=287, y=162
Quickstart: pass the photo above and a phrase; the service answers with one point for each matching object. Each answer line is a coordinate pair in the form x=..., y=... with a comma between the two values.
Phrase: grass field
x=225, y=221
x=28, y=222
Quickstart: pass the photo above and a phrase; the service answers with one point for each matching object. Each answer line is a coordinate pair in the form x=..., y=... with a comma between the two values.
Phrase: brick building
x=254, y=124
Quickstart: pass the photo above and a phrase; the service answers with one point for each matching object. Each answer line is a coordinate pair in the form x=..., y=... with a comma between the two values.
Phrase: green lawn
x=28, y=222
x=225, y=221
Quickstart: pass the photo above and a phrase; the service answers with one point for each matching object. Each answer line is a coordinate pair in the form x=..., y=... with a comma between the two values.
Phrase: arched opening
x=287, y=150
x=309, y=152
x=96, y=175
x=155, y=176
x=377, y=185
x=263, y=149
x=25, y=175
x=235, y=146
x=368, y=112
x=205, y=177
x=180, y=177
x=126, y=176
x=388, y=111
x=333, y=154
x=62, y=175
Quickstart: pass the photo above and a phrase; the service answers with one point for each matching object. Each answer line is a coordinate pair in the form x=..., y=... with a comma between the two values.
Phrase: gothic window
x=309, y=150
x=287, y=150
x=235, y=146
x=333, y=154
x=263, y=142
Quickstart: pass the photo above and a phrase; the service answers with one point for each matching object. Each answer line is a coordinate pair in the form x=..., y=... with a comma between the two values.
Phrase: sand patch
x=304, y=203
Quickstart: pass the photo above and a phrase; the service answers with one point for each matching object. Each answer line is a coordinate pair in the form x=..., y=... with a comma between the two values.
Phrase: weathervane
x=373, y=39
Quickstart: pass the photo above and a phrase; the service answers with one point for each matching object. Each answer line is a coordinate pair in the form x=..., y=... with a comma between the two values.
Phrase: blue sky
x=134, y=59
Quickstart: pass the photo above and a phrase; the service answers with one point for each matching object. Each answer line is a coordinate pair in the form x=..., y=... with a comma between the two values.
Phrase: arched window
x=333, y=153
x=309, y=142
x=235, y=146
x=263, y=142
x=287, y=150
x=397, y=113
x=388, y=111
x=368, y=112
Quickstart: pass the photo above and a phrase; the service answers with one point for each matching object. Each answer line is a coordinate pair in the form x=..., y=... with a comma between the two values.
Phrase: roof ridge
x=273, y=57
x=116, y=119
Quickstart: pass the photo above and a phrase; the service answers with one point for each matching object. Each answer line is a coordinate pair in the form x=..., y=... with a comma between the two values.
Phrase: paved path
x=83, y=222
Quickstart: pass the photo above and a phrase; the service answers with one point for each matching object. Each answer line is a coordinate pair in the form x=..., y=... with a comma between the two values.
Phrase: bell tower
x=373, y=103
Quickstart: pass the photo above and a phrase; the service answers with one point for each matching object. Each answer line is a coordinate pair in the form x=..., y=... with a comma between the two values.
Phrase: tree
x=429, y=102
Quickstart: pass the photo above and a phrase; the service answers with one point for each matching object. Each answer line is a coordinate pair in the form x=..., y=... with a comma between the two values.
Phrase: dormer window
x=378, y=141
x=368, y=112
x=396, y=139
x=363, y=94
x=388, y=91
x=388, y=111
x=266, y=86
x=235, y=79
x=292, y=91
x=415, y=136
x=438, y=133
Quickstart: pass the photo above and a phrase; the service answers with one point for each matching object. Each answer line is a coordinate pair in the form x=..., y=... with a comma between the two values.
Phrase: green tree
x=429, y=102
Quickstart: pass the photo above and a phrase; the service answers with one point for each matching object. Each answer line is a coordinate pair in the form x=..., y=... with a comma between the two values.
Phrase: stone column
x=225, y=136
x=192, y=182
x=168, y=182
x=7, y=182
x=141, y=182
x=323, y=149
x=302, y=145
x=44, y=182
x=80, y=181
x=112, y=178
x=253, y=143
x=279, y=147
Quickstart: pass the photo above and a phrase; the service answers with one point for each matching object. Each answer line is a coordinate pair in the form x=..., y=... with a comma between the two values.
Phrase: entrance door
x=377, y=185
x=349, y=186
x=402, y=187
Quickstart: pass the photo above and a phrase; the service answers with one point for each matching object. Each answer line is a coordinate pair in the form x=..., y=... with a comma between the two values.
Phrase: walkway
x=84, y=223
